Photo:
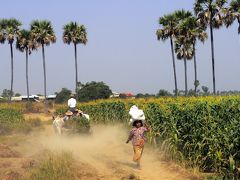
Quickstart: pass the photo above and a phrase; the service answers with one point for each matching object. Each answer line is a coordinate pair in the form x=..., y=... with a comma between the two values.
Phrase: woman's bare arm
x=129, y=137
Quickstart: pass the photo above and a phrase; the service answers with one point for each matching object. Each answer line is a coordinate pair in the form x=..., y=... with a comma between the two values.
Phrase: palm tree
x=168, y=24
x=2, y=31
x=76, y=34
x=232, y=13
x=43, y=34
x=184, y=50
x=9, y=31
x=191, y=29
x=26, y=44
x=209, y=13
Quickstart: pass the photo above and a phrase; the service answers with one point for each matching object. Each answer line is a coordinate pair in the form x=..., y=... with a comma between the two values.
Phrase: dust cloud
x=106, y=151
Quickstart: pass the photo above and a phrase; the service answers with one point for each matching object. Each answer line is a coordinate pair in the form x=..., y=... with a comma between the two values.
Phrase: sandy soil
x=101, y=155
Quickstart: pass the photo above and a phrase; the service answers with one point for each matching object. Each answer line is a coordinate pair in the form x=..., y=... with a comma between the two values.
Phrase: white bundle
x=136, y=114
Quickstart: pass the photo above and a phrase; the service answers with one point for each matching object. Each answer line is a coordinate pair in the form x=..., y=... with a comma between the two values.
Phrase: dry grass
x=54, y=166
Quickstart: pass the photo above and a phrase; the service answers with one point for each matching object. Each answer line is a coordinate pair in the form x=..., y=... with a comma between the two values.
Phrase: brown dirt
x=102, y=155
x=7, y=152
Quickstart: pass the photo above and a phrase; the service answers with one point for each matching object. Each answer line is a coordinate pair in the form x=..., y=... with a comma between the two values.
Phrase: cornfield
x=10, y=119
x=202, y=132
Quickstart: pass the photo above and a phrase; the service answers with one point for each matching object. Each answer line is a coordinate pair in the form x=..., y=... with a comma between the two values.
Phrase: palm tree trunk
x=213, y=63
x=185, y=69
x=44, y=73
x=195, y=69
x=174, y=67
x=27, y=74
x=11, y=91
x=76, y=69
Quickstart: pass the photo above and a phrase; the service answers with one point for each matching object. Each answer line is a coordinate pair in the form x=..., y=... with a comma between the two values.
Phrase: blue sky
x=122, y=48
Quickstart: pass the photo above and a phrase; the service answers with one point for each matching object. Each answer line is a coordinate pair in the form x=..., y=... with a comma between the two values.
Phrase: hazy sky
x=122, y=48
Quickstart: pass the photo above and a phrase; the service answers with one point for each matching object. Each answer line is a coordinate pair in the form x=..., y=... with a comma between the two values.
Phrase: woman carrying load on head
x=137, y=136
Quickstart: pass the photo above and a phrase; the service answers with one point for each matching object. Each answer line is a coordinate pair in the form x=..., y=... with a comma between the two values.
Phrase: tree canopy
x=63, y=95
x=93, y=91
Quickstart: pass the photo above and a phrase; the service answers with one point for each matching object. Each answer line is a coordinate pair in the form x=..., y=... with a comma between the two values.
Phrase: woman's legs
x=138, y=150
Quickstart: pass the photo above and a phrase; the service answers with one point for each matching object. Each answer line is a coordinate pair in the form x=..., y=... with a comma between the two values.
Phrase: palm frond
x=74, y=33
x=42, y=32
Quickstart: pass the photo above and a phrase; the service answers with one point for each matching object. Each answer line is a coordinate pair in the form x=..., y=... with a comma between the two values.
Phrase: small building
x=115, y=95
x=127, y=95
x=19, y=98
x=51, y=97
x=31, y=98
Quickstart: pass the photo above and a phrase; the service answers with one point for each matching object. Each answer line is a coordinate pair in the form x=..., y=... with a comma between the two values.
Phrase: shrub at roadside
x=54, y=166
x=11, y=120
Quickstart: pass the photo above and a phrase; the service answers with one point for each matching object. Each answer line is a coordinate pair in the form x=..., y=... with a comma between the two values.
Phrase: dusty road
x=102, y=155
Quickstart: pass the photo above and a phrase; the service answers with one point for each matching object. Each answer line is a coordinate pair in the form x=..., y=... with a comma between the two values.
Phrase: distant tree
x=10, y=29
x=196, y=84
x=17, y=94
x=163, y=92
x=184, y=50
x=76, y=34
x=209, y=13
x=79, y=85
x=193, y=32
x=205, y=90
x=93, y=91
x=168, y=23
x=140, y=95
x=7, y=93
x=191, y=92
x=63, y=95
x=232, y=13
x=26, y=44
x=43, y=33
x=2, y=30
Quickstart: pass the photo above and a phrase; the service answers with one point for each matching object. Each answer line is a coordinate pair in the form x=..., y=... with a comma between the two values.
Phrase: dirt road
x=103, y=155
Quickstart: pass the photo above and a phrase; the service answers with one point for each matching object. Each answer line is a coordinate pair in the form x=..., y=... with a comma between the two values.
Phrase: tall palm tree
x=43, y=34
x=168, y=23
x=232, y=13
x=209, y=13
x=26, y=44
x=76, y=34
x=9, y=32
x=184, y=50
x=167, y=31
x=191, y=29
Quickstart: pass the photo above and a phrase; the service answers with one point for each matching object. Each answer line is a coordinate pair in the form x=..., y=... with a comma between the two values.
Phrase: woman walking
x=137, y=136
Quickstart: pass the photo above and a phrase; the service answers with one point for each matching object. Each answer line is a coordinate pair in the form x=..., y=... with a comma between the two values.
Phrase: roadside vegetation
x=199, y=132
x=57, y=165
